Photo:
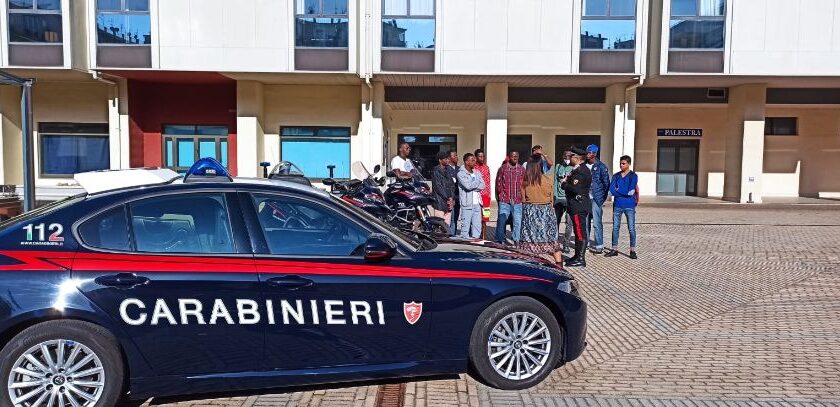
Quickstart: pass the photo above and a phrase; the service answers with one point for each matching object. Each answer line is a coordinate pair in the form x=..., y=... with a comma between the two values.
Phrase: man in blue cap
x=599, y=191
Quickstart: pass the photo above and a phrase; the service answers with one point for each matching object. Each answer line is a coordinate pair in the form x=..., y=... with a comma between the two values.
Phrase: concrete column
x=118, y=124
x=249, y=128
x=496, y=101
x=744, y=159
x=368, y=146
x=628, y=146
x=613, y=125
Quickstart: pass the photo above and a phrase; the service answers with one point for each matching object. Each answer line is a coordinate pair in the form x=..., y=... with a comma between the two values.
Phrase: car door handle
x=122, y=280
x=290, y=282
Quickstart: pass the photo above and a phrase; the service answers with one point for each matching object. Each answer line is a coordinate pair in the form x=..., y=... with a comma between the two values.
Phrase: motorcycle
x=404, y=204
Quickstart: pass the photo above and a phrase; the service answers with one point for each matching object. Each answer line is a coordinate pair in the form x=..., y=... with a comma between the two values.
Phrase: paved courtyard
x=726, y=305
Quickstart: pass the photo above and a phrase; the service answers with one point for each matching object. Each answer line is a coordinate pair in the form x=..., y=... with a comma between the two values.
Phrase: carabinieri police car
x=205, y=283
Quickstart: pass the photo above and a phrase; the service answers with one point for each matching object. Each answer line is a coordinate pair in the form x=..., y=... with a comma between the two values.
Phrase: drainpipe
x=116, y=89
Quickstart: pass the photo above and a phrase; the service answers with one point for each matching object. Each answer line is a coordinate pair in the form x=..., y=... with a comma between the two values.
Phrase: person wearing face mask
x=509, y=197
x=561, y=205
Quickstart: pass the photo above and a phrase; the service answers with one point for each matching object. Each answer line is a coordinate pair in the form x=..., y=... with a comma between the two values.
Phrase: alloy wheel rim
x=519, y=346
x=57, y=373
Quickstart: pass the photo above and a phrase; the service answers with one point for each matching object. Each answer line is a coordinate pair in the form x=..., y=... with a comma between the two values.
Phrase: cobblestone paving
x=724, y=307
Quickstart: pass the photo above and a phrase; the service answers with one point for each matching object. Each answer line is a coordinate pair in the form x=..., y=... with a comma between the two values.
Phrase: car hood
x=491, y=256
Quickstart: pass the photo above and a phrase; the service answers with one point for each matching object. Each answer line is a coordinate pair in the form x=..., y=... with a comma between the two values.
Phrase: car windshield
x=417, y=241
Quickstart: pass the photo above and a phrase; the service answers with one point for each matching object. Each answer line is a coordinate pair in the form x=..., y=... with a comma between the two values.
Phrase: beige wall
x=305, y=105
x=75, y=102
x=808, y=159
x=544, y=126
x=467, y=124
x=11, y=170
x=713, y=121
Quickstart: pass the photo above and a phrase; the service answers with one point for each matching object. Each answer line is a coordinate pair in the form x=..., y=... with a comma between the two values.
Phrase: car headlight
x=570, y=287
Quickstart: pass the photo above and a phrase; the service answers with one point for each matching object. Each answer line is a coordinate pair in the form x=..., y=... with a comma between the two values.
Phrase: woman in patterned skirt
x=539, y=222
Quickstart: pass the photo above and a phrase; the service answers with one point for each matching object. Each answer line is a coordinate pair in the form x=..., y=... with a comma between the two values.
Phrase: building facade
x=737, y=99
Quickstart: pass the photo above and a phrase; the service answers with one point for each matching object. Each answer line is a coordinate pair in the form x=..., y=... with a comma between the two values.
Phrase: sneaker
x=566, y=250
x=611, y=253
x=633, y=255
x=596, y=251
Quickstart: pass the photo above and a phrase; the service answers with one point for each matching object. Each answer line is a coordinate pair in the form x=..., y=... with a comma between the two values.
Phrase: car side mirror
x=379, y=248
x=376, y=168
x=328, y=182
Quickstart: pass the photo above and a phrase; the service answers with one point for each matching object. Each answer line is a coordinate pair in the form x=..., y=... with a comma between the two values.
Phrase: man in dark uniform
x=577, y=185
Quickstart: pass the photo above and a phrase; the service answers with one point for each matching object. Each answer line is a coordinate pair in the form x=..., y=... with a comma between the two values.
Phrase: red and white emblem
x=412, y=311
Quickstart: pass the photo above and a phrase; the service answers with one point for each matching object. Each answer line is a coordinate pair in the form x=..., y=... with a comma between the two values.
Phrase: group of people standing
x=536, y=198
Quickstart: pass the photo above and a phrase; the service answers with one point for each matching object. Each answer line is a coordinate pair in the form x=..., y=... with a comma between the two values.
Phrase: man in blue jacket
x=623, y=188
x=600, y=190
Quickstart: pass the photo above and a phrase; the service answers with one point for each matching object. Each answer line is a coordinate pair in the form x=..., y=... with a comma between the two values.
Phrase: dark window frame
x=195, y=137
x=123, y=11
x=315, y=130
x=609, y=17
x=68, y=130
x=321, y=14
x=34, y=11
x=771, y=127
x=409, y=16
x=698, y=17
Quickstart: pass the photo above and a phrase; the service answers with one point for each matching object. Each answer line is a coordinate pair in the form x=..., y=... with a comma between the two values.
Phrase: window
x=780, y=126
x=70, y=148
x=123, y=22
x=425, y=148
x=408, y=24
x=313, y=149
x=108, y=230
x=608, y=25
x=35, y=21
x=188, y=223
x=321, y=23
x=183, y=145
x=697, y=24
x=302, y=228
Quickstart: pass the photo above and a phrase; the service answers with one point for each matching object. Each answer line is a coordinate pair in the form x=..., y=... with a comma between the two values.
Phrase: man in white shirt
x=401, y=164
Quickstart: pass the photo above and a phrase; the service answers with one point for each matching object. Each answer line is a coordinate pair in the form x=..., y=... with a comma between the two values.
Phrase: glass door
x=676, y=167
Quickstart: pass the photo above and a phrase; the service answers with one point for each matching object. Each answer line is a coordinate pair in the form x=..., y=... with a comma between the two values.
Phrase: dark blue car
x=206, y=284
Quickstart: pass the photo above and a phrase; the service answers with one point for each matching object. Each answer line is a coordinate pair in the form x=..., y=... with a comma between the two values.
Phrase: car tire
x=502, y=360
x=84, y=341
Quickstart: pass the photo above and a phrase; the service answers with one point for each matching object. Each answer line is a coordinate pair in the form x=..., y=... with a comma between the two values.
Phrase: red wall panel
x=152, y=105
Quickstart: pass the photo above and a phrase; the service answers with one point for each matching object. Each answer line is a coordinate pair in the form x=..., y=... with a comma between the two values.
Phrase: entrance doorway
x=425, y=148
x=676, y=167
x=563, y=141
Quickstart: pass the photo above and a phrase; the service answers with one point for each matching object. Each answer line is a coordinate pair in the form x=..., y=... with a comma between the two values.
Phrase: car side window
x=189, y=223
x=108, y=230
x=303, y=228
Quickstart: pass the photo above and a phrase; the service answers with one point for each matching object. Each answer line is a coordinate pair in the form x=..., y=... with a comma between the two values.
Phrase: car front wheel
x=515, y=343
x=61, y=363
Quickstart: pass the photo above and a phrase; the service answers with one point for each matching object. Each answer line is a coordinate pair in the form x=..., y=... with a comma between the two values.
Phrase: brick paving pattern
x=726, y=306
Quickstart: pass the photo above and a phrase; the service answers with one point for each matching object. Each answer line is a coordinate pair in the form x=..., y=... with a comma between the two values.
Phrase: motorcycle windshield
x=359, y=170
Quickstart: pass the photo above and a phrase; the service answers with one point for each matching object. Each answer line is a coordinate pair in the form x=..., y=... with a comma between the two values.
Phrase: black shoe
x=611, y=253
x=633, y=255
x=596, y=251
x=576, y=263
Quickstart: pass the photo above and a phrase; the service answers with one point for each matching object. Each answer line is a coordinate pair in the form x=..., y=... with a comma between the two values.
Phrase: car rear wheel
x=515, y=343
x=61, y=363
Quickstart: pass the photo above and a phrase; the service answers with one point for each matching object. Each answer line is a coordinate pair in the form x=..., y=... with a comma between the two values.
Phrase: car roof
x=177, y=184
